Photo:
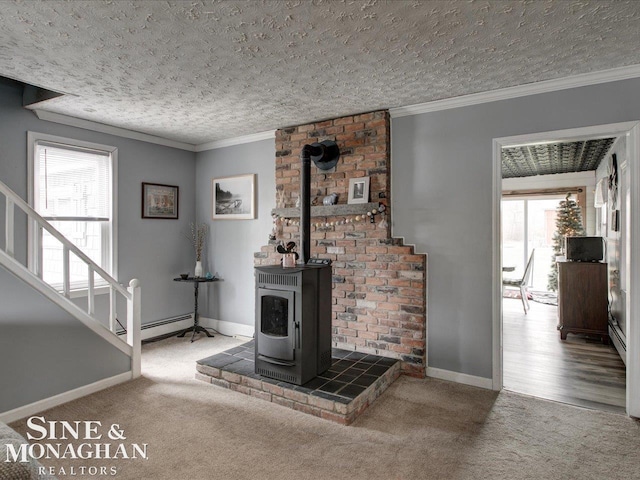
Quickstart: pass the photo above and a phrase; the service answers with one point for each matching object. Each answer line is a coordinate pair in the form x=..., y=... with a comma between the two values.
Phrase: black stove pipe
x=305, y=197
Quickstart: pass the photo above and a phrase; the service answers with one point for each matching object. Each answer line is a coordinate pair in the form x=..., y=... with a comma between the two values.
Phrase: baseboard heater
x=158, y=323
x=618, y=341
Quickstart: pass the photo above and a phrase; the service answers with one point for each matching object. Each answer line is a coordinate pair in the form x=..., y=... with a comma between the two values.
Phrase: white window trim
x=32, y=138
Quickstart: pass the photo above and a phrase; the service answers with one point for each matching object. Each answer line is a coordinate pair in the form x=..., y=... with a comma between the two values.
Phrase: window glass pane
x=513, y=236
x=541, y=227
x=538, y=215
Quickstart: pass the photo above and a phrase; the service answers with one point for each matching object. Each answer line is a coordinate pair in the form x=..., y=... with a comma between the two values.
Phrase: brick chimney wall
x=379, y=284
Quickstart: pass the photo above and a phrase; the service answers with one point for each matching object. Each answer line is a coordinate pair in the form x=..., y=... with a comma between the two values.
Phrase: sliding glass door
x=528, y=223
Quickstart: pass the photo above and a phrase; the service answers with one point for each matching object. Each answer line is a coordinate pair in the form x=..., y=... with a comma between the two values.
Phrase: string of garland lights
x=371, y=215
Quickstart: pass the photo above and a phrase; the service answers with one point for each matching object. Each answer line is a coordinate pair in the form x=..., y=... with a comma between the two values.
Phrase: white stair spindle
x=112, y=309
x=9, y=227
x=91, y=300
x=39, y=250
x=66, y=282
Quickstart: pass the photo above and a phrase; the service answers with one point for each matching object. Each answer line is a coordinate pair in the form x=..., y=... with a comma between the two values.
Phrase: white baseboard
x=460, y=378
x=228, y=328
x=47, y=403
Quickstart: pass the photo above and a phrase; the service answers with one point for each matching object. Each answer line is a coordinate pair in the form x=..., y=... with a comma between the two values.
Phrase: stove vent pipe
x=325, y=155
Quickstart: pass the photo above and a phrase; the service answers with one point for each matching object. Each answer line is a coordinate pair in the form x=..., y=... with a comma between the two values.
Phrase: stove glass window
x=275, y=316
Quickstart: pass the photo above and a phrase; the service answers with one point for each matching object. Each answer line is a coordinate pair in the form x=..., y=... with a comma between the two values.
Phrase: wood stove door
x=276, y=332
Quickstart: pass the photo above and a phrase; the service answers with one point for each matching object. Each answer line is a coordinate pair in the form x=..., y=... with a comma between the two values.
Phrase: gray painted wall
x=44, y=351
x=442, y=202
x=231, y=243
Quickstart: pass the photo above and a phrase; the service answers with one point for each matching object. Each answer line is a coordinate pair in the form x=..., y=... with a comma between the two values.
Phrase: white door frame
x=632, y=131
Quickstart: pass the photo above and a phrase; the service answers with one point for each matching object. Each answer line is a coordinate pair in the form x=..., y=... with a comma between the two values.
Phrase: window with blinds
x=72, y=189
x=73, y=184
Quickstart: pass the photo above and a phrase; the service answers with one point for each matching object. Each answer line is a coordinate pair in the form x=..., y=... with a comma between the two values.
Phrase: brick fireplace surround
x=379, y=284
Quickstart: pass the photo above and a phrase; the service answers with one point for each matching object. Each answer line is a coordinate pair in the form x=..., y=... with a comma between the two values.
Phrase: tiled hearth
x=340, y=394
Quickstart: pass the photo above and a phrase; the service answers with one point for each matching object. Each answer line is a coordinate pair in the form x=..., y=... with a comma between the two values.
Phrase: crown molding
x=228, y=142
x=111, y=130
x=582, y=80
x=145, y=137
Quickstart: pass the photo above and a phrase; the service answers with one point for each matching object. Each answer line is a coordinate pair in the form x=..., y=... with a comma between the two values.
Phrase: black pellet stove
x=293, y=304
x=293, y=322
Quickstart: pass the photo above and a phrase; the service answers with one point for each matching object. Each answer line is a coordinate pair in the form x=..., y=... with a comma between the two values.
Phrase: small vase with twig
x=198, y=239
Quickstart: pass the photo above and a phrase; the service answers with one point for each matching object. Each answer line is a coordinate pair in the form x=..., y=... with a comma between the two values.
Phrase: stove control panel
x=319, y=261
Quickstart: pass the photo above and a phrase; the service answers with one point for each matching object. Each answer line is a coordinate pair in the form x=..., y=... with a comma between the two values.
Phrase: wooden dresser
x=582, y=299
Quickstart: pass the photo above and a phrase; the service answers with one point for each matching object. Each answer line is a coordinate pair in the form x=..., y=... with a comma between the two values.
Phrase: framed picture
x=359, y=190
x=234, y=198
x=159, y=201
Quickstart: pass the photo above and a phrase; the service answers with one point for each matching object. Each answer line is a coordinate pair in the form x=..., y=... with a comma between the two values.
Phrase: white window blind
x=72, y=183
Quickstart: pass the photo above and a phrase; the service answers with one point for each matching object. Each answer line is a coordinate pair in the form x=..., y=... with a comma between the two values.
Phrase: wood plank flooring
x=579, y=370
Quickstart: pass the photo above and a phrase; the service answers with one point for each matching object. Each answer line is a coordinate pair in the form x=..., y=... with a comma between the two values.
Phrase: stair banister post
x=133, y=326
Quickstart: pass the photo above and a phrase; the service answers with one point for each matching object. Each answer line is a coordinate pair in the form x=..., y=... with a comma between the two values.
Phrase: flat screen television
x=584, y=249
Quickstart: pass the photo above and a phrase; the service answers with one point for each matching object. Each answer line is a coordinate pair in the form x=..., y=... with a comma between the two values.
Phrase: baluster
x=9, y=227
x=39, y=250
x=91, y=307
x=112, y=308
x=66, y=282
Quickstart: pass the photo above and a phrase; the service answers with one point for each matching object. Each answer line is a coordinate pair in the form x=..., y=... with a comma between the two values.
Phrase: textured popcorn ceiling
x=200, y=71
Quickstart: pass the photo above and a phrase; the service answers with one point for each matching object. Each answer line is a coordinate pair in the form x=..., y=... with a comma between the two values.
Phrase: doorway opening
x=530, y=357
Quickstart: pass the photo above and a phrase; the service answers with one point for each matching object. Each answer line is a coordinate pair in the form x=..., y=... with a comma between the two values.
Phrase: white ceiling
x=199, y=71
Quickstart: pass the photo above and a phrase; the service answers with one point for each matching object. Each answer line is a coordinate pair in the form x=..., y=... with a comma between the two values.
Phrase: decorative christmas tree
x=568, y=224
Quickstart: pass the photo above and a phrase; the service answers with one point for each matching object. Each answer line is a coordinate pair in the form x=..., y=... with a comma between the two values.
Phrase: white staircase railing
x=32, y=275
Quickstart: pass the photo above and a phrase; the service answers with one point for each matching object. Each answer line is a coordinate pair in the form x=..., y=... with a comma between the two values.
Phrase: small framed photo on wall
x=359, y=190
x=159, y=201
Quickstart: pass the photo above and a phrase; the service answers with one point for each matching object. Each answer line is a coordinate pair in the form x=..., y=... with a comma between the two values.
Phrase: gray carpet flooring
x=418, y=429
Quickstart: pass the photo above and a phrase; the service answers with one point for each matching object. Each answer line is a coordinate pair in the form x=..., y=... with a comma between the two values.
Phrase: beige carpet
x=418, y=429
